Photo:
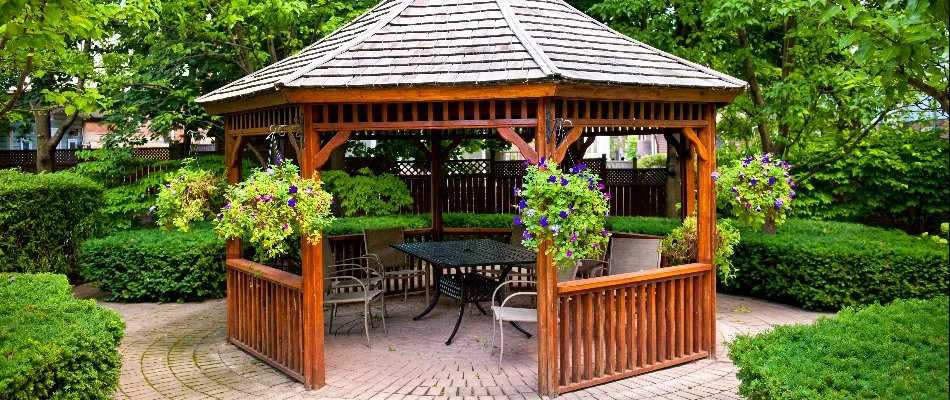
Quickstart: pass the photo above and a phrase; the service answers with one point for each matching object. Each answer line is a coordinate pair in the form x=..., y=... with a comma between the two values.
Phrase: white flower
x=530, y=212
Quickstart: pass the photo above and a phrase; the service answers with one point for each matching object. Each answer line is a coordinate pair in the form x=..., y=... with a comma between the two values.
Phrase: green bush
x=898, y=351
x=830, y=265
x=657, y=226
x=54, y=346
x=365, y=193
x=652, y=161
x=149, y=264
x=44, y=218
x=355, y=225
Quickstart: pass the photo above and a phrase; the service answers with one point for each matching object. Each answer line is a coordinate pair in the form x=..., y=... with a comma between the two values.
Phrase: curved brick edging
x=180, y=351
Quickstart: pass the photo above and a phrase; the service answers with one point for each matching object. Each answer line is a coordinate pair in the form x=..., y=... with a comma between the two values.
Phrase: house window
x=73, y=144
x=26, y=145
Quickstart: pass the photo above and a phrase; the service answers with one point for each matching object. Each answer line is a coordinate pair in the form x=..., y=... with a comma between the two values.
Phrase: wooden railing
x=618, y=326
x=265, y=314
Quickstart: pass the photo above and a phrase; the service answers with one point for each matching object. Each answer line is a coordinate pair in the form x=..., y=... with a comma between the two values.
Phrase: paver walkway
x=180, y=351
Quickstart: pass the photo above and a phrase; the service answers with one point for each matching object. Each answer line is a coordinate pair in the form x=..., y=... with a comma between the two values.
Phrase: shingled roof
x=402, y=43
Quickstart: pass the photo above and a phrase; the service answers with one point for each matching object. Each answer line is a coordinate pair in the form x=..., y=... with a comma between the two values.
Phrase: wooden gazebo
x=445, y=70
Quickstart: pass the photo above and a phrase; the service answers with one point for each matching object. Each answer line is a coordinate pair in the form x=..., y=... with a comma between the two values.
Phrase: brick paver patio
x=180, y=351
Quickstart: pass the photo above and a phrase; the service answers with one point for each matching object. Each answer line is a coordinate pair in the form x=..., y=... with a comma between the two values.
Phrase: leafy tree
x=48, y=53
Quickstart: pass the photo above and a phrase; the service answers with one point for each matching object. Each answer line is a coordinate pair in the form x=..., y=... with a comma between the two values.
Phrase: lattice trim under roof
x=403, y=43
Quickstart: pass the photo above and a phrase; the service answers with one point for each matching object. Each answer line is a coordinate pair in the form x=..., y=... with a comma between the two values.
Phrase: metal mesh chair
x=633, y=254
x=352, y=283
x=393, y=262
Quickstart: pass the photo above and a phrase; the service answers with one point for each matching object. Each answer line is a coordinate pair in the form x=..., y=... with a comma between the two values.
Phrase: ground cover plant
x=44, y=218
x=897, y=351
x=151, y=264
x=55, y=346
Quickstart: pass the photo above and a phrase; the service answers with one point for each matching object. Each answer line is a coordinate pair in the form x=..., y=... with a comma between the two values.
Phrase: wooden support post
x=435, y=183
x=706, y=223
x=314, y=369
x=548, y=359
x=233, y=146
x=689, y=182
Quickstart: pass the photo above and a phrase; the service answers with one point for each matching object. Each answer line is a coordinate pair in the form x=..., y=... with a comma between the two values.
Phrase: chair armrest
x=495, y=293
x=535, y=294
x=346, y=277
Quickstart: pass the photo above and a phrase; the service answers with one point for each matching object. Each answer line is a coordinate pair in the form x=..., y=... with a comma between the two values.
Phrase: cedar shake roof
x=403, y=43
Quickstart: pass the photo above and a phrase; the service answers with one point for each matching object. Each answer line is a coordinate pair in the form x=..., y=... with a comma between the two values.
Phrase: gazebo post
x=706, y=221
x=547, y=278
x=233, y=146
x=689, y=181
x=435, y=184
x=314, y=370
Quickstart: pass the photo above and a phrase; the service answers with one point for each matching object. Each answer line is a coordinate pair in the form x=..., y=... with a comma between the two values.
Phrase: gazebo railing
x=623, y=325
x=265, y=314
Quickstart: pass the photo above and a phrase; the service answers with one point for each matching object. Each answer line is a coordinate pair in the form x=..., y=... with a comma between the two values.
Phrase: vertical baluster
x=610, y=343
x=690, y=299
x=565, y=340
x=599, y=333
x=588, y=336
x=680, y=308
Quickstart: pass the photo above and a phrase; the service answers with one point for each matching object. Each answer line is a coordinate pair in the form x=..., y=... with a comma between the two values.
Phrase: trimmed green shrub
x=898, y=351
x=44, y=218
x=366, y=193
x=652, y=161
x=149, y=264
x=657, y=226
x=53, y=345
x=355, y=225
x=830, y=265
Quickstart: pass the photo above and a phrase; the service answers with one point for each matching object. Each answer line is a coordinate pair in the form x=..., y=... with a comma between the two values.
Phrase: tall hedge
x=53, y=346
x=44, y=218
x=151, y=264
x=830, y=265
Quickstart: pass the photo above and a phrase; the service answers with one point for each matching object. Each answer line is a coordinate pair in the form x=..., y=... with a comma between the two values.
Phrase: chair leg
x=501, y=350
x=332, y=313
x=405, y=290
x=383, y=299
x=366, y=317
x=491, y=348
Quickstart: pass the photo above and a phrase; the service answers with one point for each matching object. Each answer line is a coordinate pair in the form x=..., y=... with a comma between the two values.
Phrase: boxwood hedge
x=150, y=264
x=52, y=345
x=897, y=351
x=44, y=218
x=830, y=265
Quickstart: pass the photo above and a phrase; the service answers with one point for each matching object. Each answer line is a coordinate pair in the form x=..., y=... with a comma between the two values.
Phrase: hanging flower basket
x=272, y=205
x=568, y=208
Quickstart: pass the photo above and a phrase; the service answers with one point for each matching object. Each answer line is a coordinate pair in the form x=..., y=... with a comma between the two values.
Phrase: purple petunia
x=715, y=175
x=607, y=196
x=270, y=171
x=517, y=221
x=286, y=227
x=765, y=158
x=568, y=253
x=791, y=194
x=580, y=167
x=771, y=180
x=604, y=232
x=227, y=206
x=220, y=217
x=735, y=189
x=758, y=209
x=278, y=160
x=596, y=246
x=748, y=206
x=542, y=161
x=292, y=190
x=785, y=174
x=753, y=181
x=167, y=186
x=574, y=237
x=563, y=181
x=600, y=186
x=570, y=209
x=522, y=204
x=525, y=163
x=517, y=192
x=552, y=179
x=292, y=202
x=590, y=187
x=779, y=203
x=309, y=190
x=526, y=235
x=252, y=216
x=562, y=214
x=543, y=222
x=746, y=161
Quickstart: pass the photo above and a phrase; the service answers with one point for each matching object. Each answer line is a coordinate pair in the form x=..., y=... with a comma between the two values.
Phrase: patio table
x=466, y=287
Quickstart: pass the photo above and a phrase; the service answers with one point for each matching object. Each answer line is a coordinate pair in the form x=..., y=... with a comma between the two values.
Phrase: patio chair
x=352, y=283
x=502, y=312
x=393, y=262
x=631, y=255
x=517, y=233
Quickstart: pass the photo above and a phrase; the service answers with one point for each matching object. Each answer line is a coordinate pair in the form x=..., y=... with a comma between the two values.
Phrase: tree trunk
x=769, y=226
x=674, y=182
x=45, y=159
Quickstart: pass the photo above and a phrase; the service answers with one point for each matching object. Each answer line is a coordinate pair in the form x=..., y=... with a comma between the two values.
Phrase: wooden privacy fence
x=487, y=186
x=622, y=325
x=65, y=158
